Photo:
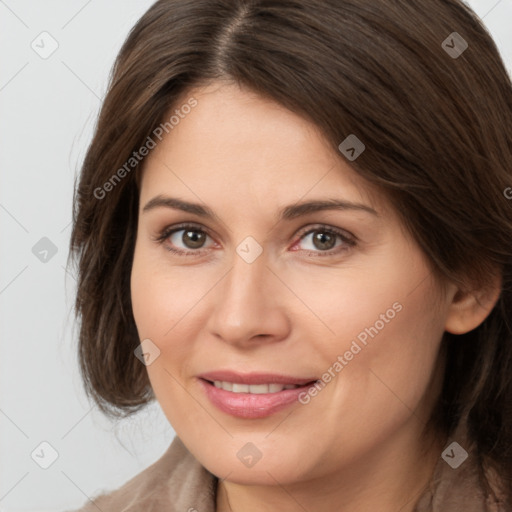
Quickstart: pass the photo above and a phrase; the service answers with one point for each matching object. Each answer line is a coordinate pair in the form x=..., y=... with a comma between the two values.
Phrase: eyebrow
x=288, y=213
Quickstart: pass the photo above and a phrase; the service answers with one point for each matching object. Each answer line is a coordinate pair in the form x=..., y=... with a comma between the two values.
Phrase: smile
x=251, y=401
x=256, y=389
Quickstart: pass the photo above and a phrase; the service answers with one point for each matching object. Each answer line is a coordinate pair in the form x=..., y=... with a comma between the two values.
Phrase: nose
x=249, y=305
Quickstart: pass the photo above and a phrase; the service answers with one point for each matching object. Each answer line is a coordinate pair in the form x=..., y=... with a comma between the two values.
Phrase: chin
x=266, y=471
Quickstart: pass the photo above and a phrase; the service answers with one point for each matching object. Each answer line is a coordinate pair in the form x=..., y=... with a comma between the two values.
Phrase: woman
x=292, y=229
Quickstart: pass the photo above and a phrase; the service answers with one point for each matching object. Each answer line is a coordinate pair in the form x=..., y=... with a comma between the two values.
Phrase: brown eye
x=184, y=240
x=189, y=240
x=322, y=241
x=193, y=239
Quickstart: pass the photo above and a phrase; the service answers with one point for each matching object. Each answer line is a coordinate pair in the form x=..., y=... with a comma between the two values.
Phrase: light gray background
x=48, y=108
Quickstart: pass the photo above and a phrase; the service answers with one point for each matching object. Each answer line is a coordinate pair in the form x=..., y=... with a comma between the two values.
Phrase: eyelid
x=167, y=231
x=347, y=237
x=319, y=226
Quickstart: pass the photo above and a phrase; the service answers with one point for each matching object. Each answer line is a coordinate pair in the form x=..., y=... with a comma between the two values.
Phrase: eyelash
x=170, y=230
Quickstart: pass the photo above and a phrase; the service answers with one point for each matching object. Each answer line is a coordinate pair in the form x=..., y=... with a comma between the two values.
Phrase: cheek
x=388, y=367
x=406, y=358
x=161, y=296
x=159, y=307
x=386, y=328
x=164, y=302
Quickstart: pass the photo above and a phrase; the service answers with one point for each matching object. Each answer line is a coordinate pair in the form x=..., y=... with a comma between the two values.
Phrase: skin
x=357, y=444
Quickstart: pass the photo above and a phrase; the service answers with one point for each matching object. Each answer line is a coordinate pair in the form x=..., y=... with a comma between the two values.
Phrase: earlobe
x=469, y=309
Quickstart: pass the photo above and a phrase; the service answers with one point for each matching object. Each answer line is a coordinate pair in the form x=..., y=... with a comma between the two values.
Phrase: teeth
x=256, y=389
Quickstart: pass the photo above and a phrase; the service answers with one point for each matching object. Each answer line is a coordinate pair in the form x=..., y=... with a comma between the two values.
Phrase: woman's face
x=264, y=285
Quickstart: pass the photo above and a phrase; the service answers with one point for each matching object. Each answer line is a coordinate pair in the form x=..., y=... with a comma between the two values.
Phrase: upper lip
x=254, y=378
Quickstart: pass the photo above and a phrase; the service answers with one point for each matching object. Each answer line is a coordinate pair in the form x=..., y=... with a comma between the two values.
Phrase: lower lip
x=249, y=405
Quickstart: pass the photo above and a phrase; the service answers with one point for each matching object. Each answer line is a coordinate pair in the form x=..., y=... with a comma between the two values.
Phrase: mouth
x=254, y=378
x=250, y=399
x=255, y=389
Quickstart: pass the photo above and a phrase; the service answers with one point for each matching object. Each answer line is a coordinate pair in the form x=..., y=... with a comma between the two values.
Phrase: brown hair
x=437, y=131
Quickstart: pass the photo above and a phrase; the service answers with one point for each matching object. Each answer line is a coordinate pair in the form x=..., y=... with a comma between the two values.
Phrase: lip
x=248, y=405
x=255, y=378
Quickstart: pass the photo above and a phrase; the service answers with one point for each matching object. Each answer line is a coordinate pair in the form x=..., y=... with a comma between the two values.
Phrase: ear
x=469, y=309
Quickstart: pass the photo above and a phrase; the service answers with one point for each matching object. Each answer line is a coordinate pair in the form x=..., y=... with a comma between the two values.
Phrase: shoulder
x=176, y=481
x=461, y=481
x=497, y=495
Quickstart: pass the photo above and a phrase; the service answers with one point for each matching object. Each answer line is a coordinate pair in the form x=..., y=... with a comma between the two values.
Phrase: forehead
x=235, y=142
